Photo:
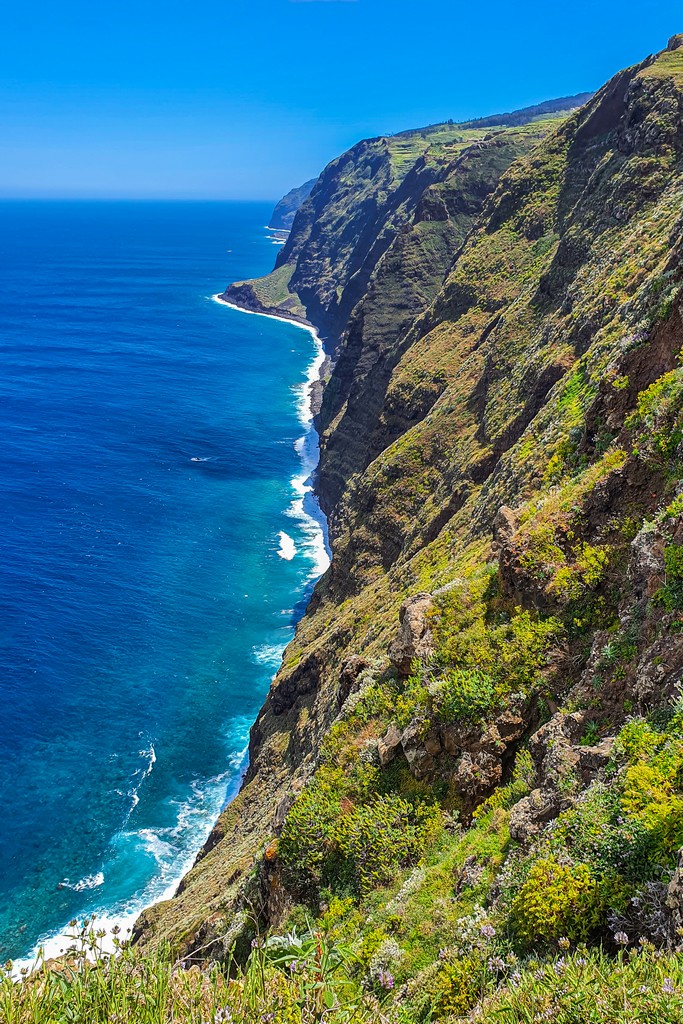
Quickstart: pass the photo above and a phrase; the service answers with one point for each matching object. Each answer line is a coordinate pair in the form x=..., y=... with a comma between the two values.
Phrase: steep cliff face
x=285, y=211
x=355, y=210
x=498, y=639
x=402, y=285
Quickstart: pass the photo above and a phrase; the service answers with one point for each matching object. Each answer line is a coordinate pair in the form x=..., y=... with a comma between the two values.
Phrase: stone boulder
x=389, y=745
x=530, y=814
x=646, y=564
x=476, y=774
x=416, y=747
x=552, y=748
x=414, y=638
x=504, y=526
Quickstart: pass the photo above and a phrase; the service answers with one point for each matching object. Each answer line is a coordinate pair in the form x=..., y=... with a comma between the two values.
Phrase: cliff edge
x=479, y=717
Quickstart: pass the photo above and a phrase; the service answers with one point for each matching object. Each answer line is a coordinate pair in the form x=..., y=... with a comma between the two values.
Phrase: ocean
x=159, y=540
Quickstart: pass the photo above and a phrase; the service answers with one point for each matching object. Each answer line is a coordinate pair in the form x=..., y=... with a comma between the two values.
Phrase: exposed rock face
x=646, y=568
x=552, y=748
x=415, y=638
x=562, y=767
x=470, y=755
x=532, y=812
x=389, y=745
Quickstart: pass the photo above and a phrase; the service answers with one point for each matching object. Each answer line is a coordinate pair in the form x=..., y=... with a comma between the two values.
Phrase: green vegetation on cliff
x=501, y=460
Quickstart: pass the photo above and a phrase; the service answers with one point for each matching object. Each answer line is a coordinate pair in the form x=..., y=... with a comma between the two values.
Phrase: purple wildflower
x=668, y=987
x=495, y=964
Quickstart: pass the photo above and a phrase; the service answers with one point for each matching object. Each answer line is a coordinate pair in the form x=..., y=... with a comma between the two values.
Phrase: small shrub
x=465, y=694
x=556, y=900
x=670, y=595
x=460, y=982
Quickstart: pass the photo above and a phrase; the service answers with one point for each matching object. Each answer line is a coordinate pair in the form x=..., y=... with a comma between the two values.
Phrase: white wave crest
x=89, y=882
x=174, y=849
x=287, y=548
x=268, y=654
x=140, y=774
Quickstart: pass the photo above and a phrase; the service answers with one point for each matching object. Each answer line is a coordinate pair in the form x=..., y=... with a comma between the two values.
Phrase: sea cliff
x=477, y=728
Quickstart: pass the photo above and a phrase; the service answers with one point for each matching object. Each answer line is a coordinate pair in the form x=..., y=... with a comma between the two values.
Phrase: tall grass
x=301, y=981
x=309, y=980
x=640, y=986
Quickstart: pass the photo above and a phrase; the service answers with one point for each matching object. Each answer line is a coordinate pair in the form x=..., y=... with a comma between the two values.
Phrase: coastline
x=291, y=319
x=56, y=944
x=308, y=409
x=304, y=507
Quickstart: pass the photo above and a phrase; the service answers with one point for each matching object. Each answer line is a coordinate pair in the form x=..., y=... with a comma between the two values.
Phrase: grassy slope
x=558, y=313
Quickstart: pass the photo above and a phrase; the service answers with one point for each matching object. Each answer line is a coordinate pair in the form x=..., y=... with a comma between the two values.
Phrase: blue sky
x=245, y=98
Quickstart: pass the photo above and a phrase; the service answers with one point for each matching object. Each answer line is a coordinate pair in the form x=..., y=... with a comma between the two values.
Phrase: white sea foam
x=174, y=848
x=149, y=756
x=304, y=507
x=287, y=548
x=268, y=654
x=89, y=882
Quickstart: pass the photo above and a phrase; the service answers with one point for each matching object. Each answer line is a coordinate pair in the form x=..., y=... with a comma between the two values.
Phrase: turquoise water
x=155, y=551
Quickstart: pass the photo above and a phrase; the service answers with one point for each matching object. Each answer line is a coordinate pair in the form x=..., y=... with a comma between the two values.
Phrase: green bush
x=670, y=595
x=557, y=900
x=383, y=835
x=465, y=693
x=328, y=839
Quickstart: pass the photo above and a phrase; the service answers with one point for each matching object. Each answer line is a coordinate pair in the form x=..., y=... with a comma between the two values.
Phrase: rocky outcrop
x=414, y=640
x=563, y=767
x=471, y=756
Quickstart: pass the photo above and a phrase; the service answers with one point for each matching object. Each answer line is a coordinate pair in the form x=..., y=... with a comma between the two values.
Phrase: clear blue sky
x=245, y=98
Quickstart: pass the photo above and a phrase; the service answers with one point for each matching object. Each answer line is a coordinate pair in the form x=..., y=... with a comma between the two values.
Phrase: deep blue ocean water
x=151, y=466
